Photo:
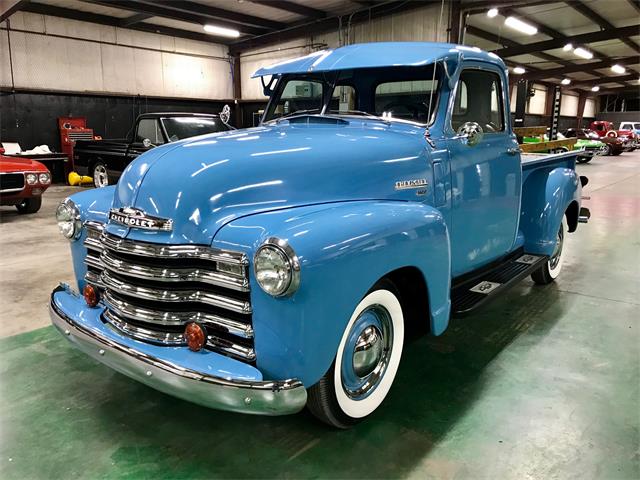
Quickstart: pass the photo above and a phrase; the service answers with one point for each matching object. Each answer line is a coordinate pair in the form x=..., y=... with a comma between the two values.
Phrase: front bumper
x=215, y=381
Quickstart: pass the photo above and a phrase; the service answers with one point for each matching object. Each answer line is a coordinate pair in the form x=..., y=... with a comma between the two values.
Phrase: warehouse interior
x=544, y=382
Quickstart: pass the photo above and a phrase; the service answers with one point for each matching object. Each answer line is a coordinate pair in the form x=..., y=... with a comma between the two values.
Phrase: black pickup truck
x=105, y=160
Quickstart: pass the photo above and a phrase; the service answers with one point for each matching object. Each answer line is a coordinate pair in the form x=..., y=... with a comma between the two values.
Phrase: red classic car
x=22, y=183
x=607, y=129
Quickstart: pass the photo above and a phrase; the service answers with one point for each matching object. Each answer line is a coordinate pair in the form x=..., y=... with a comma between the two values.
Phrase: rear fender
x=343, y=249
x=547, y=194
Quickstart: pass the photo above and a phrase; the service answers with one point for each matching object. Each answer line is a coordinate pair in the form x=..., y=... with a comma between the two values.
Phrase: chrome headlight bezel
x=290, y=262
x=68, y=214
x=31, y=178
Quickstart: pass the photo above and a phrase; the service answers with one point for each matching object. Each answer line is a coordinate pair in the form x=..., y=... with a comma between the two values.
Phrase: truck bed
x=535, y=160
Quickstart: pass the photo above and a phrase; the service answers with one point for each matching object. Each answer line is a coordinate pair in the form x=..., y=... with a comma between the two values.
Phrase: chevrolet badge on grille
x=134, y=217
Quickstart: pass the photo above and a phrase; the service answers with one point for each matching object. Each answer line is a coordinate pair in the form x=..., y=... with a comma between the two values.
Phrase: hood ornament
x=134, y=217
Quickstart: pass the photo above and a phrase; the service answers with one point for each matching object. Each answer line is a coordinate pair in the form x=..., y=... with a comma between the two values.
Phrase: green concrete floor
x=544, y=383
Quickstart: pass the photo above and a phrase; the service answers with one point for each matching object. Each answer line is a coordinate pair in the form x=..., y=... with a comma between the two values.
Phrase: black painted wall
x=31, y=118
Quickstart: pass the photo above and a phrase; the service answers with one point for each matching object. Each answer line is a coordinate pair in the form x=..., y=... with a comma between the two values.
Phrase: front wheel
x=366, y=362
x=29, y=205
x=552, y=267
x=100, y=175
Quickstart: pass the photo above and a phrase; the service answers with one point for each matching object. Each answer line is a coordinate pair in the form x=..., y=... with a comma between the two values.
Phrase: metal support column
x=555, y=113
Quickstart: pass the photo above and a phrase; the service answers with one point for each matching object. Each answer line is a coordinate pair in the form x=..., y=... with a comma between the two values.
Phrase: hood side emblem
x=409, y=184
x=134, y=217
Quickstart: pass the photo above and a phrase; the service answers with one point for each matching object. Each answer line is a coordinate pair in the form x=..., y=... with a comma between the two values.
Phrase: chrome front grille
x=151, y=291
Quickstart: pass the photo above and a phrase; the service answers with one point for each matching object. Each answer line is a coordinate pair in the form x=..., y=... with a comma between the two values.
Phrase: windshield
x=178, y=128
x=407, y=94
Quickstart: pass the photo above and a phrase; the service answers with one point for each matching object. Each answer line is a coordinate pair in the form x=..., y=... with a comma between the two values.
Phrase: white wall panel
x=97, y=58
x=537, y=103
x=589, y=108
x=416, y=25
x=569, y=105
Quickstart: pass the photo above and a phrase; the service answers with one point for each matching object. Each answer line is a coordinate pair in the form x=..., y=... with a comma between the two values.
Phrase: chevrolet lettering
x=288, y=263
x=132, y=217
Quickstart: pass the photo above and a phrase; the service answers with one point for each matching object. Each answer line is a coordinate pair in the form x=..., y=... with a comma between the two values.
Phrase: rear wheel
x=366, y=362
x=100, y=175
x=29, y=205
x=551, y=269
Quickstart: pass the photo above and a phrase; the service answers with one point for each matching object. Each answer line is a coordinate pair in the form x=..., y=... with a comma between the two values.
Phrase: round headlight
x=44, y=178
x=32, y=178
x=68, y=217
x=277, y=268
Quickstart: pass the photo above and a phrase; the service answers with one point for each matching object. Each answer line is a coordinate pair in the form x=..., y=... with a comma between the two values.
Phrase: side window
x=479, y=99
x=149, y=128
x=407, y=100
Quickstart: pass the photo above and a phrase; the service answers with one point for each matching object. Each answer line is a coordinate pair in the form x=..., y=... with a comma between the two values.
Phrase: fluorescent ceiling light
x=492, y=13
x=567, y=47
x=521, y=26
x=581, y=52
x=618, y=69
x=519, y=70
x=223, y=32
x=595, y=89
x=565, y=81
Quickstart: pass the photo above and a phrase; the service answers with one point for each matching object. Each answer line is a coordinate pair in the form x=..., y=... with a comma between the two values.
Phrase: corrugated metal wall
x=55, y=54
x=415, y=25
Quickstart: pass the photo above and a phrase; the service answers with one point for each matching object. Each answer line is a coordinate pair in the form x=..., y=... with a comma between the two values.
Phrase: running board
x=477, y=291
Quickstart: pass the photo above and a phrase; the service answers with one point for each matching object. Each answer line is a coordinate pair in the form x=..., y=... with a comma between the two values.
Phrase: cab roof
x=379, y=54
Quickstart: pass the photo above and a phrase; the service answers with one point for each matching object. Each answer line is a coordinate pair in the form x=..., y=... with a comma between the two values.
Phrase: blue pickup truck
x=265, y=269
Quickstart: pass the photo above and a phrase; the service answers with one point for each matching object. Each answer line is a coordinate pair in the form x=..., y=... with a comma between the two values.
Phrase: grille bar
x=164, y=274
x=177, y=338
x=165, y=317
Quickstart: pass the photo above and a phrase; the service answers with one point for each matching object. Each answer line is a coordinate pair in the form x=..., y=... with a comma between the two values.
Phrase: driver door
x=486, y=176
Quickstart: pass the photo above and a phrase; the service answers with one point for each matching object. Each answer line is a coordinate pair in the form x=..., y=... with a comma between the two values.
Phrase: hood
x=205, y=182
x=15, y=164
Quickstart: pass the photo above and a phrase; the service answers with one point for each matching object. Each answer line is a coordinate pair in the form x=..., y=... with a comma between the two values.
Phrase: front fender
x=546, y=196
x=343, y=248
x=94, y=205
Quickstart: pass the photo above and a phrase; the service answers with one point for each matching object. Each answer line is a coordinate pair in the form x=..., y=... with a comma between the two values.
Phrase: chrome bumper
x=256, y=397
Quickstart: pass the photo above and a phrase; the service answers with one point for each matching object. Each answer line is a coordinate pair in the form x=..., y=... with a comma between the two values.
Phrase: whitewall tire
x=366, y=362
x=552, y=267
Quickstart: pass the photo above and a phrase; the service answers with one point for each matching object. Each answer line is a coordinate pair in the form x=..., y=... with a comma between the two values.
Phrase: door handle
x=514, y=151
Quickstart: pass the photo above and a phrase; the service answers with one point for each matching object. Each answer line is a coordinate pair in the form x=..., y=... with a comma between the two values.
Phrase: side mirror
x=146, y=143
x=225, y=114
x=472, y=132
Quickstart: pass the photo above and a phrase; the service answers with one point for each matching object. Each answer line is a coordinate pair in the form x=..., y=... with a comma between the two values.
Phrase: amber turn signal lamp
x=90, y=294
x=195, y=336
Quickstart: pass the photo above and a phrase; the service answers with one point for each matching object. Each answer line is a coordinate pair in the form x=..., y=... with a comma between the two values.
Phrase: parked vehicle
x=631, y=126
x=607, y=129
x=586, y=148
x=105, y=160
x=264, y=269
x=22, y=183
x=612, y=145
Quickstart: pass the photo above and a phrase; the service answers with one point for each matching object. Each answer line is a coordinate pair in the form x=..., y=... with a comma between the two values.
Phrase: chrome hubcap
x=367, y=352
x=100, y=176
x=557, y=252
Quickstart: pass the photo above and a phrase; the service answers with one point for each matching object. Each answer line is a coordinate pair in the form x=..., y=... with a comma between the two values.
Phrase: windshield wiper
x=356, y=112
x=297, y=112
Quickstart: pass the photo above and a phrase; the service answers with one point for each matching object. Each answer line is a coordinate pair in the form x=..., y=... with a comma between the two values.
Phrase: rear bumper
x=245, y=392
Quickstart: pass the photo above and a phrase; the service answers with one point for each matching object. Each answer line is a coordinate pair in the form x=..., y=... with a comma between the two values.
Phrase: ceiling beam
x=579, y=67
x=215, y=13
x=635, y=4
x=70, y=14
x=9, y=7
x=602, y=22
x=135, y=18
x=292, y=7
x=161, y=11
x=575, y=39
x=607, y=79
x=325, y=25
x=492, y=37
